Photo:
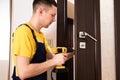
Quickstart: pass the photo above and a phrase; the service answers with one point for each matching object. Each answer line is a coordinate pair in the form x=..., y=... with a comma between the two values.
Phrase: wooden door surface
x=88, y=57
x=117, y=37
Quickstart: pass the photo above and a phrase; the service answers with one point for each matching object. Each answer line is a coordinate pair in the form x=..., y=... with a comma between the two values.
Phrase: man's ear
x=40, y=10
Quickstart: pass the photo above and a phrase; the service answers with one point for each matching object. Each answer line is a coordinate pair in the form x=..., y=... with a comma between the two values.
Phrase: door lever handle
x=83, y=34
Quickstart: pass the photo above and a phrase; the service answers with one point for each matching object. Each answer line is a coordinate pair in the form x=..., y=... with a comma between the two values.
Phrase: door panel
x=87, y=19
x=69, y=44
x=117, y=37
x=88, y=63
x=64, y=37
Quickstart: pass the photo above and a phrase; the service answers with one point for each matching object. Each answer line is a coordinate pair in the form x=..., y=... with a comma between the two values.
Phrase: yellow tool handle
x=60, y=67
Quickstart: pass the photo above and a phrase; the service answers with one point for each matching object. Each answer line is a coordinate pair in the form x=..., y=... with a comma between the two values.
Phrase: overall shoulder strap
x=31, y=31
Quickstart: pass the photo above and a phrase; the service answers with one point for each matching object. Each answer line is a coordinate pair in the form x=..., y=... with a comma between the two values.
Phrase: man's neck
x=35, y=24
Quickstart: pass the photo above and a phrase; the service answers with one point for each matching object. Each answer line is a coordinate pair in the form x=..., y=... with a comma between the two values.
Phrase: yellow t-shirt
x=24, y=44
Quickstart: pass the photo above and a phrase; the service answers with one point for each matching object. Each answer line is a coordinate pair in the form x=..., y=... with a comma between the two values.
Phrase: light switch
x=82, y=45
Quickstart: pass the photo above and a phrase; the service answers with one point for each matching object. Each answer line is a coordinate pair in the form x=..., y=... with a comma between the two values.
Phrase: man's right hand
x=59, y=59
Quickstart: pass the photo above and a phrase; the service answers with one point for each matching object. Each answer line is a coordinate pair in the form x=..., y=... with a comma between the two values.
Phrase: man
x=30, y=48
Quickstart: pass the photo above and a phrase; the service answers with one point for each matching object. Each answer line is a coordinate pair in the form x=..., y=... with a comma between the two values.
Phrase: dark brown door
x=88, y=58
x=69, y=44
x=87, y=19
x=64, y=37
x=117, y=37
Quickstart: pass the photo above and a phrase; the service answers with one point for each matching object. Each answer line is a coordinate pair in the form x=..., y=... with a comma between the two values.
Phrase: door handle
x=83, y=34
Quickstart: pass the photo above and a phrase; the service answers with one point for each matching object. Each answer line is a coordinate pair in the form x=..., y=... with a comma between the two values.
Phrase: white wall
x=22, y=11
x=4, y=29
x=107, y=40
x=4, y=66
x=4, y=38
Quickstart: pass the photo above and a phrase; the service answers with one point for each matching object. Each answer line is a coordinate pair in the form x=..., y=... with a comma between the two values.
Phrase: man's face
x=49, y=16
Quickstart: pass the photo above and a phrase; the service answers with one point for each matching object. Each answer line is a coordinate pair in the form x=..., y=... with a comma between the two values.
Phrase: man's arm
x=50, y=55
x=67, y=55
x=27, y=70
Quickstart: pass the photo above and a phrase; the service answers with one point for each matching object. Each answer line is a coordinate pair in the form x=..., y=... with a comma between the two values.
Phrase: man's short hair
x=47, y=3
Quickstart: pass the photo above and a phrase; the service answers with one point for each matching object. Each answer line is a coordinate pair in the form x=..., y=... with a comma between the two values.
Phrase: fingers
x=65, y=55
x=60, y=59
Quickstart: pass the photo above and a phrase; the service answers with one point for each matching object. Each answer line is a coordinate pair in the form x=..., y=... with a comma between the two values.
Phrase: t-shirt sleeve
x=21, y=43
